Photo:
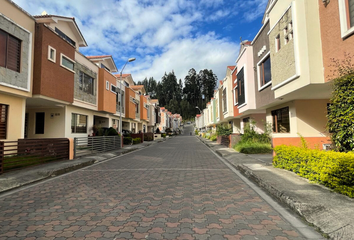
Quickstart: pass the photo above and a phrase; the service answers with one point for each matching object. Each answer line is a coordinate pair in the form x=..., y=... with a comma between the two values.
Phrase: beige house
x=297, y=73
x=17, y=30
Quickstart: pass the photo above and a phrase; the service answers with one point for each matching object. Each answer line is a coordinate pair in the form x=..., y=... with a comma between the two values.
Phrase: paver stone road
x=177, y=189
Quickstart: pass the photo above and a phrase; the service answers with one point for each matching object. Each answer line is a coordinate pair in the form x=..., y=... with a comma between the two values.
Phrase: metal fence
x=89, y=145
x=28, y=152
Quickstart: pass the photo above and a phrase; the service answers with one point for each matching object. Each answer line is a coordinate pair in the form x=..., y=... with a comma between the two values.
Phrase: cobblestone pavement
x=173, y=190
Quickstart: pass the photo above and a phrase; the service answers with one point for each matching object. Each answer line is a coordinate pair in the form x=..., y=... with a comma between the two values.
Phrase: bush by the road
x=136, y=140
x=332, y=169
x=253, y=147
x=213, y=137
x=127, y=140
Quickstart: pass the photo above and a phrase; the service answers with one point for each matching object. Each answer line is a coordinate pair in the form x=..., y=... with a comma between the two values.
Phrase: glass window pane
x=267, y=71
x=67, y=63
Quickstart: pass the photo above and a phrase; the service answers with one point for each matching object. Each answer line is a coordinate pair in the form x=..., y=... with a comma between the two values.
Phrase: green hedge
x=213, y=137
x=253, y=147
x=163, y=135
x=136, y=140
x=127, y=140
x=332, y=169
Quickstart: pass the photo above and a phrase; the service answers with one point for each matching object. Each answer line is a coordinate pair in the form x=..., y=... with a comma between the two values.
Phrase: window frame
x=4, y=114
x=107, y=85
x=224, y=100
x=50, y=48
x=275, y=117
x=82, y=76
x=344, y=17
x=241, y=86
x=75, y=127
x=70, y=60
x=115, y=87
x=235, y=92
x=259, y=65
x=6, y=57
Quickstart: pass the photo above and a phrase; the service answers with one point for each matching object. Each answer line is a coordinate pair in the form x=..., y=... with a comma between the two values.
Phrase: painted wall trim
x=286, y=82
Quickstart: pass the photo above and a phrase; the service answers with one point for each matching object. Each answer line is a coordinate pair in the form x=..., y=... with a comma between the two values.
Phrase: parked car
x=126, y=132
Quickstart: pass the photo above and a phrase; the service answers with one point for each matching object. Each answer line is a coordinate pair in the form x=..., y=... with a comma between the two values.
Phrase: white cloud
x=202, y=52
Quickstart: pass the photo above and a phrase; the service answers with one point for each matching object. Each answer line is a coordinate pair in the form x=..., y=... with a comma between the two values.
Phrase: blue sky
x=163, y=35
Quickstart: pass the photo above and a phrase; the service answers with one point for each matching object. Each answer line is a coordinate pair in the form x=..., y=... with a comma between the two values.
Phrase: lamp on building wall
x=121, y=99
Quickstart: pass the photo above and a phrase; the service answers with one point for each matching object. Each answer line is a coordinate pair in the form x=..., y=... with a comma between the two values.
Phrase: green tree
x=341, y=109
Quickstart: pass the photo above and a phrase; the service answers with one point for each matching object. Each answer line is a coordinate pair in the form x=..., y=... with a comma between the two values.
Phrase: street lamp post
x=200, y=111
x=121, y=99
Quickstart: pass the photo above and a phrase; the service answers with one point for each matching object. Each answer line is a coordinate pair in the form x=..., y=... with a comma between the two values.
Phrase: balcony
x=118, y=109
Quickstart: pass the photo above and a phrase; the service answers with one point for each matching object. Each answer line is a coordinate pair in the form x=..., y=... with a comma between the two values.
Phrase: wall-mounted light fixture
x=325, y=2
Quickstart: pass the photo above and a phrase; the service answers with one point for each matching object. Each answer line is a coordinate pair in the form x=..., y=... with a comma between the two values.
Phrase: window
x=346, y=16
x=281, y=120
x=241, y=87
x=148, y=111
x=51, y=54
x=107, y=85
x=113, y=89
x=65, y=37
x=3, y=121
x=86, y=83
x=40, y=118
x=119, y=99
x=10, y=51
x=350, y=13
x=235, y=93
x=224, y=100
x=277, y=43
x=265, y=75
x=78, y=123
x=67, y=63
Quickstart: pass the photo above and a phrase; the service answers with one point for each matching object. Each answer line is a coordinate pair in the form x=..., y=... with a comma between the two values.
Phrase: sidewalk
x=331, y=213
x=25, y=176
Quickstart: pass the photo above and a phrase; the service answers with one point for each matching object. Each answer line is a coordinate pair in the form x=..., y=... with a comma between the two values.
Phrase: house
x=17, y=38
x=297, y=75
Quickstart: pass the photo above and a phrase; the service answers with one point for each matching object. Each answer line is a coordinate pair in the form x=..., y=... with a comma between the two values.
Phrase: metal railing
x=89, y=145
x=28, y=152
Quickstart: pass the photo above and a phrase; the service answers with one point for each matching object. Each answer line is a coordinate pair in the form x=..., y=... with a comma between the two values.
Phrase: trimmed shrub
x=223, y=130
x=253, y=147
x=332, y=169
x=127, y=140
x=163, y=135
x=136, y=140
x=196, y=132
x=213, y=137
x=253, y=142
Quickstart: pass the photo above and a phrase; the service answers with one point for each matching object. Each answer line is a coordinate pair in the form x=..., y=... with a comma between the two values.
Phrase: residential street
x=177, y=189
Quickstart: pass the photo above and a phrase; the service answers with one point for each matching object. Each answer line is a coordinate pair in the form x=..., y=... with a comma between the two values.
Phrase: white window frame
x=107, y=85
x=61, y=62
x=112, y=85
x=346, y=30
x=260, y=88
x=55, y=54
x=234, y=93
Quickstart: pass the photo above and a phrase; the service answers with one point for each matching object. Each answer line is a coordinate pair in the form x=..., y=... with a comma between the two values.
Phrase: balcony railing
x=137, y=115
x=118, y=109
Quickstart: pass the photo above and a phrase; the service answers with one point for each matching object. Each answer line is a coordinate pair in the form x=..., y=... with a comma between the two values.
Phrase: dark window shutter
x=3, y=121
x=14, y=54
x=3, y=39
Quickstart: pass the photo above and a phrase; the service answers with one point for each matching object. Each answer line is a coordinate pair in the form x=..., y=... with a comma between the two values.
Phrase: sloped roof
x=40, y=18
